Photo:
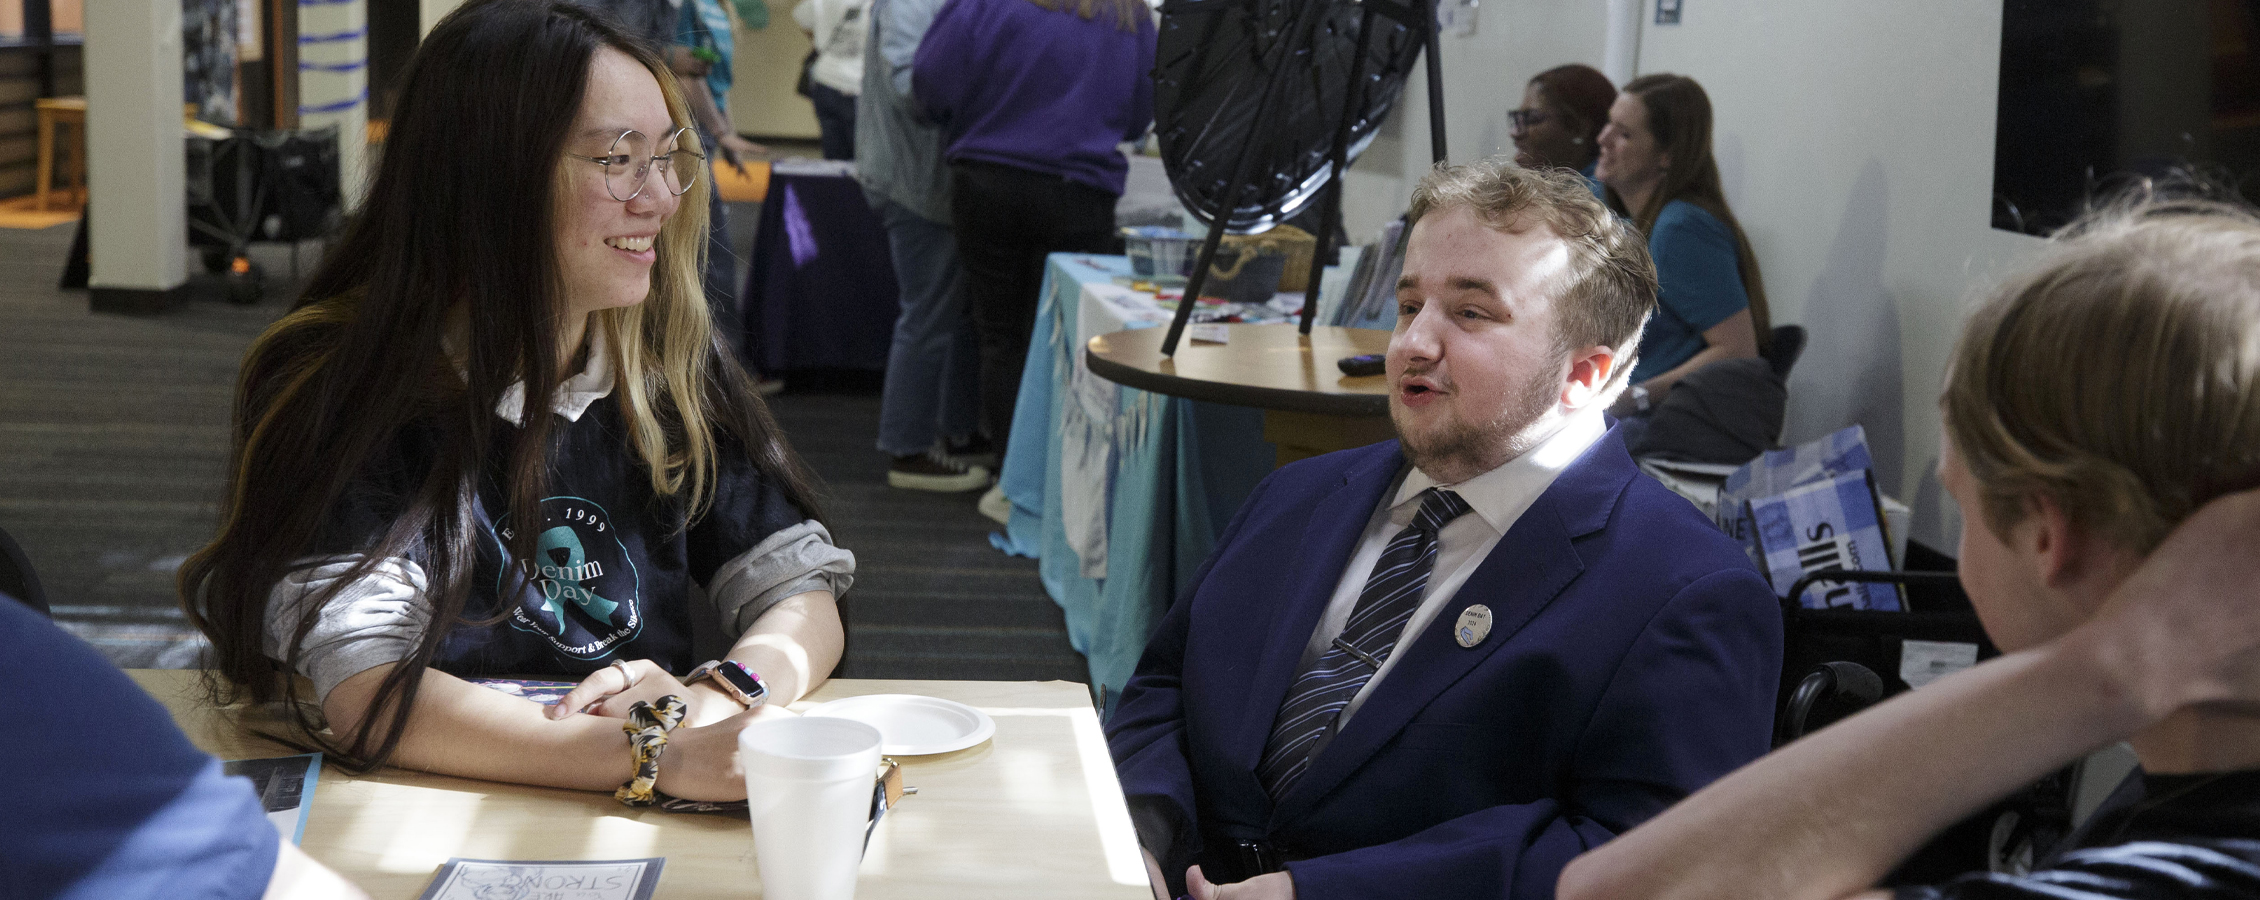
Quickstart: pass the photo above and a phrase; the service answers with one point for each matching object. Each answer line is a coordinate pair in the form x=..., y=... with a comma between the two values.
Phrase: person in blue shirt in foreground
x=111, y=801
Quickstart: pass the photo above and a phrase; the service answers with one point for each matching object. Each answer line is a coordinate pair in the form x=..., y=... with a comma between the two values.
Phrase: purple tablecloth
x=820, y=292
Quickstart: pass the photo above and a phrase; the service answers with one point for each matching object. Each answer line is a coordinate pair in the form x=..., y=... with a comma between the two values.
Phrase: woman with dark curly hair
x=1559, y=123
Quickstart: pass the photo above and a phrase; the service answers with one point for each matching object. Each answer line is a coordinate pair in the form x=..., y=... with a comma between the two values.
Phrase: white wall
x=764, y=65
x=1483, y=78
x=429, y=12
x=1856, y=143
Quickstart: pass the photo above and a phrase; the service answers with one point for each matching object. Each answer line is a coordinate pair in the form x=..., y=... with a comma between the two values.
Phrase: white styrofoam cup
x=808, y=787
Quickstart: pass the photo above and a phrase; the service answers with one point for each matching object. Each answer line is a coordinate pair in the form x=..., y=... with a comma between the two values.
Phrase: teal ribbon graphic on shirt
x=567, y=579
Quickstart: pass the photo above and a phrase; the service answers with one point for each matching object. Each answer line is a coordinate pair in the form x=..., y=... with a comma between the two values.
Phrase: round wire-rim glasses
x=628, y=164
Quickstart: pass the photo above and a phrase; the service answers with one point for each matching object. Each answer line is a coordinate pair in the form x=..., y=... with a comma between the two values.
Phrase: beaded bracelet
x=647, y=728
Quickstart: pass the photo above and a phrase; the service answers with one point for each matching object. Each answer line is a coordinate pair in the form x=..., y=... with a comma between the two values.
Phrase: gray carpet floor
x=931, y=599
x=113, y=440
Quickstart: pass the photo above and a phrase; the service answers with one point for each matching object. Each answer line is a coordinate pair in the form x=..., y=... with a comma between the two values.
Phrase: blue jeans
x=933, y=367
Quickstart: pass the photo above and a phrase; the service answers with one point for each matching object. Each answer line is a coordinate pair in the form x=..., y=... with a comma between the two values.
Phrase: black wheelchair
x=1836, y=662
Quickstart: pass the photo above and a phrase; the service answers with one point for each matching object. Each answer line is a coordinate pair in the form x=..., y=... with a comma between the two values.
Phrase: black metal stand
x=1352, y=103
x=1435, y=86
x=1199, y=278
x=1417, y=14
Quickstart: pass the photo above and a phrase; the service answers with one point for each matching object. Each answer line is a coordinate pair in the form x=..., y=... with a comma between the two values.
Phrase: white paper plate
x=912, y=725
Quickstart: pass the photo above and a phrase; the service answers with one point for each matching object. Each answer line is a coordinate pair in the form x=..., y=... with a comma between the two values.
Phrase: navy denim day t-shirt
x=613, y=564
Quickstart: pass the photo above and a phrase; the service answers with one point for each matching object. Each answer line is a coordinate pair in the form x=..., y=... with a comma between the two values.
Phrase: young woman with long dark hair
x=405, y=511
x=1711, y=302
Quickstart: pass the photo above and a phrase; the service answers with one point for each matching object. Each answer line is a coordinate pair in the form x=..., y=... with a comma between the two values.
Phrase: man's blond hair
x=1610, y=287
x=2119, y=375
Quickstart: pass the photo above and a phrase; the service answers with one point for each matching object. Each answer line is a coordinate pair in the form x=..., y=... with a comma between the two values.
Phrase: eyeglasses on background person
x=1521, y=120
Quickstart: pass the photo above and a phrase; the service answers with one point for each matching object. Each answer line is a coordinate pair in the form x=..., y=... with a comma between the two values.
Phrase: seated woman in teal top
x=1656, y=163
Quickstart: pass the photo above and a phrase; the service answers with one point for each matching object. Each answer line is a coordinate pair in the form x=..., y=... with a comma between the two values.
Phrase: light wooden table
x=1309, y=406
x=1035, y=812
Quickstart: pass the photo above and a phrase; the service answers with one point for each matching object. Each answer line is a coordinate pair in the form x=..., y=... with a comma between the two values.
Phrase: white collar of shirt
x=574, y=395
x=1496, y=499
x=1501, y=495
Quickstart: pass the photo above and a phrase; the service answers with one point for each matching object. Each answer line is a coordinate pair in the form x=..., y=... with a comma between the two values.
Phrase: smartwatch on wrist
x=734, y=679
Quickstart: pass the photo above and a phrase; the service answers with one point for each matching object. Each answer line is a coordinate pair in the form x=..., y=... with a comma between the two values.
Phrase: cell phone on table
x=1359, y=366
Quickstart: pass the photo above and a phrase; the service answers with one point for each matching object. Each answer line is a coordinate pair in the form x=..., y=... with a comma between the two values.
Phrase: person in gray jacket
x=932, y=391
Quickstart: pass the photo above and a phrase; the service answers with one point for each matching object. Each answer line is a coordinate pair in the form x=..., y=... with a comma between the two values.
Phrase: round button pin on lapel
x=1474, y=625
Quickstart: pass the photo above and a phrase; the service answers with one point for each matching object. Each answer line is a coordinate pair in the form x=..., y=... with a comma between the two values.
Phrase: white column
x=137, y=163
x=333, y=82
x=1620, y=50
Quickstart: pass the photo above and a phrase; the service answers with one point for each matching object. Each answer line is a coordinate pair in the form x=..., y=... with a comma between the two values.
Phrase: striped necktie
x=1392, y=593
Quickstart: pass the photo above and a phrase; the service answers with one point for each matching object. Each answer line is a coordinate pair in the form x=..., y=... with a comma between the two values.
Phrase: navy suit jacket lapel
x=1531, y=565
x=1336, y=523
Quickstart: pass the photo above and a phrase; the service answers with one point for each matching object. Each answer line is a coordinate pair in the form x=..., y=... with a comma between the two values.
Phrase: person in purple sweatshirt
x=1033, y=97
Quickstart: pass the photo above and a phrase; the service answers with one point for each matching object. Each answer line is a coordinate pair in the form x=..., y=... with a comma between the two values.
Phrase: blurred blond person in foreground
x=2102, y=436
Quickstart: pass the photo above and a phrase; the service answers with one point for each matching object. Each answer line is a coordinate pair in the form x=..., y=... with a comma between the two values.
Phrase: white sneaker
x=996, y=507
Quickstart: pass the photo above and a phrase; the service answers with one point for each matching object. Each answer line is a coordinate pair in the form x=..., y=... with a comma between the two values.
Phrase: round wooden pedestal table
x=1309, y=406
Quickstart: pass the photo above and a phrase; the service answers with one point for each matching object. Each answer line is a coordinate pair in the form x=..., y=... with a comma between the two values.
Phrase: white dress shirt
x=1496, y=499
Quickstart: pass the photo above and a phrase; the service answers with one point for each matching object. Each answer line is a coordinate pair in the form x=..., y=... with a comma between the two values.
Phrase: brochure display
x=1809, y=509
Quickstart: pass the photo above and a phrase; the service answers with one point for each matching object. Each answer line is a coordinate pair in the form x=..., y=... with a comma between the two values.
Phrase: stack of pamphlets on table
x=499, y=879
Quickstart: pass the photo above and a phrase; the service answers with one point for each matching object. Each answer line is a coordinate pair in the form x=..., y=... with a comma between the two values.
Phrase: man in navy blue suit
x=1445, y=665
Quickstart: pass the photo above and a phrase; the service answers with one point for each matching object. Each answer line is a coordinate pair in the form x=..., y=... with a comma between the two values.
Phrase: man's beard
x=1473, y=444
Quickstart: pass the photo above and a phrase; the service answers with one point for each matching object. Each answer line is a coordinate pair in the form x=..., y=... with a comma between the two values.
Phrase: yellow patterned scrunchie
x=647, y=728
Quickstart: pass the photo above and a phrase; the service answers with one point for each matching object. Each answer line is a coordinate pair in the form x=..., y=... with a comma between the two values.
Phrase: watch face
x=746, y=682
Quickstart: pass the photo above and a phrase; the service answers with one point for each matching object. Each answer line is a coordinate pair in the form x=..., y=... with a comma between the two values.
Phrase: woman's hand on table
x=612, y=690
x=701, y=762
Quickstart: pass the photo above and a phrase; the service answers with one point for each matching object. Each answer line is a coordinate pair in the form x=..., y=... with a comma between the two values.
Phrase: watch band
x=740, y=683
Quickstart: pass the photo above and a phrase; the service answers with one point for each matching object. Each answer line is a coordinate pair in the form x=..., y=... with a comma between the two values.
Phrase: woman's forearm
x=1734, y=338
x=1660, y=386
x=1827, y=816
x=459, y=728
x=794, y=645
